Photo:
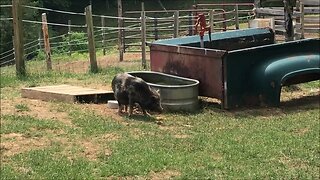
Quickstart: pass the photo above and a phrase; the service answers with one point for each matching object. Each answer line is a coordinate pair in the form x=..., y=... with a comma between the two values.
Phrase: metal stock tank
x=177, y=93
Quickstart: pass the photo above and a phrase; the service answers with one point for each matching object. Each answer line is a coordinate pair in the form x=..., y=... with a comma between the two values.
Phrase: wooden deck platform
x=67, y=93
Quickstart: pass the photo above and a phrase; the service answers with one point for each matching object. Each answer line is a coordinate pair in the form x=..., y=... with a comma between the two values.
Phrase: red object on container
x=203, y=25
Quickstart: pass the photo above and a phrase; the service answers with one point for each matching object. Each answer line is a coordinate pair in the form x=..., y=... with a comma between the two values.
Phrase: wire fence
x=128, y=35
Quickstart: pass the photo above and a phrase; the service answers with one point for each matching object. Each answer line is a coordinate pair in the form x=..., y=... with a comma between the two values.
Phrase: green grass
x=22, y=107
x=255, y=143
x=26, y=124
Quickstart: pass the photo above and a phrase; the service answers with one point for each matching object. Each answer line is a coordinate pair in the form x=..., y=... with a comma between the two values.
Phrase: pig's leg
x=120, y=109
x=130, y=106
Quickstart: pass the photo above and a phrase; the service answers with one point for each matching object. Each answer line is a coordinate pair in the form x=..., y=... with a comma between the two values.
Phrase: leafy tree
x=31, y=30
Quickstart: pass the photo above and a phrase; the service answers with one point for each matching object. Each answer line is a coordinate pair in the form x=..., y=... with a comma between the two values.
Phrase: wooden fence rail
x=305, y=15
x=140, y=26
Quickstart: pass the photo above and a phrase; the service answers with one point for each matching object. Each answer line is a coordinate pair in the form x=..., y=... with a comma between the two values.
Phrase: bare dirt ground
x=104, y=61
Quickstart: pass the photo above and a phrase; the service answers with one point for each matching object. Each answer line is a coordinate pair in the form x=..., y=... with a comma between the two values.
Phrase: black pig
x=129, y=90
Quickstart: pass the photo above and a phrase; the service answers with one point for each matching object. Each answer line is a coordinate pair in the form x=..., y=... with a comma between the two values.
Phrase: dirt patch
x=15, y=143
x=293, y=163
x=109, y=137
x=181, y=136
x=35, y=108
x=92, y=150
x=161, y=175
x=217, y=156
x=301, y=132
x=287, y=95
x=136, y=133
x=87, y=148
x=82, y=66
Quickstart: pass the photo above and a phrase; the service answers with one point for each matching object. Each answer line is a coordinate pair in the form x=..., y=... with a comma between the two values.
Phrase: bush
x=78, y=41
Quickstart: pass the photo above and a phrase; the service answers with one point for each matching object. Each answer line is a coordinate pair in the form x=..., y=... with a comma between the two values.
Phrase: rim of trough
x=195, y=82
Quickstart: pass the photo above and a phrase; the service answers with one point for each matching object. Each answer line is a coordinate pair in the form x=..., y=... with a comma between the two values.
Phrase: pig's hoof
x=159, y=122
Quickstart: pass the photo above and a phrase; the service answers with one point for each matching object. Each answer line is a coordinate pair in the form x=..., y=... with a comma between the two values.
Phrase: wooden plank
x=313, y=20
x=47, y=96
x=311, y=10
x=67, y=93
x=279, y=11
x=312, y=30
x=270, y=11
x=311, y=2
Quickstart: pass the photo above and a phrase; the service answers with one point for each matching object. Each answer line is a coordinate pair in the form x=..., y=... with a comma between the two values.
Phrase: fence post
x=69, y=37
x=236, y=8
x=143, y=36
x=302, y=20
x=211, y=20
x=257, y=4
x=156, y=35
x=288, y=11
x=123, y=37
x=224, y=18
x=46, y=41
x=190, y=23
x=176, y=24
x=120, y=45
x=103, y=24
x=18, y=38
x=195, y=16
x=91, y=44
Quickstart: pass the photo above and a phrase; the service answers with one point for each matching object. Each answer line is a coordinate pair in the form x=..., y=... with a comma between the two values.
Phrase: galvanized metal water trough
x=177, y=93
